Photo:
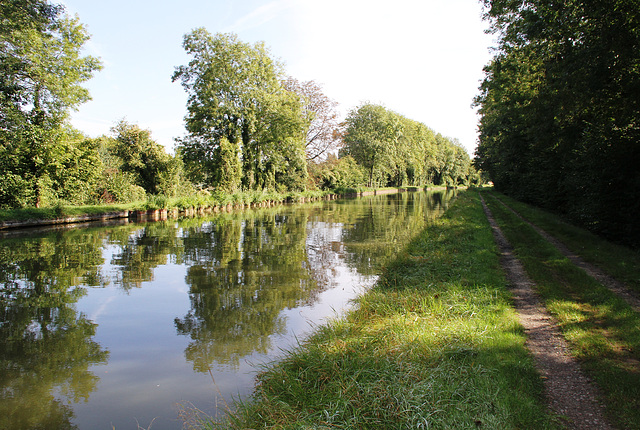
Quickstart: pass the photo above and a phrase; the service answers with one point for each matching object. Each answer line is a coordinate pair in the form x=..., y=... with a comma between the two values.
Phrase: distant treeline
x=560, y=109
x=249, y=127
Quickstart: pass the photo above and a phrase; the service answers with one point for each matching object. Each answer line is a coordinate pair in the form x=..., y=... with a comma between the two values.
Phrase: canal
x=123, y=325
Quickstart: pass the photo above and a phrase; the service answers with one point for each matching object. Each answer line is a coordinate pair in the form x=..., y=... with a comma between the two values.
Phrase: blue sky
x=420, y=58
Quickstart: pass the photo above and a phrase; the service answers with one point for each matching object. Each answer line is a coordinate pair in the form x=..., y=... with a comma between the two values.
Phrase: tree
x=370, y=138
x=422, y=156
x=235, y=93
x=42, y=72
x=339, y=173
x=230, y=172
x=397, y=151
x=324, y=134
x=142, y=157
x=559, y=109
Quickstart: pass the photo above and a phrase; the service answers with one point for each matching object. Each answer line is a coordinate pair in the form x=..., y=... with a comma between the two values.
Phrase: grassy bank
x=59, y=211
x=604, y=332
x=200, y=200
x=618, y=261
x=435, y=344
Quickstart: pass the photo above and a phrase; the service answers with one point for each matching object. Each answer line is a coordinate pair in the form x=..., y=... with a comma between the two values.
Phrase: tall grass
x=435, y=344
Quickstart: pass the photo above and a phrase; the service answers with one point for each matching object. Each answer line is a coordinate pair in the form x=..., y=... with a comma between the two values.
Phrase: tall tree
x=324, y=134
x=370, y=138
x=235, y=93
x=560, y=109
x=42, y=72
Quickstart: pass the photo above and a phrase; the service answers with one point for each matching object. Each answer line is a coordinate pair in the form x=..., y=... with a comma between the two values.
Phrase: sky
x=420, y=58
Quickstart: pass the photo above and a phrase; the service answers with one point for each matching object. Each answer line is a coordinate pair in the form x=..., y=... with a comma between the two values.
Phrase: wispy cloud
x=260, y=16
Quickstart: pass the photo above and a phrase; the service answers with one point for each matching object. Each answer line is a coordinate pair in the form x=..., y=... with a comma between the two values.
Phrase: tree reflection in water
x=242, y=272
x=47, y=345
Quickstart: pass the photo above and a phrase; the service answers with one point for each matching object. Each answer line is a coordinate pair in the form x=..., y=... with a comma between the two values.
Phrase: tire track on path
x=611, y=283
x=569, y=392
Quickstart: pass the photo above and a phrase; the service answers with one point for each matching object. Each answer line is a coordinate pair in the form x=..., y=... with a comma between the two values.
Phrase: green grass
x=618, y=261
x=159, y=202
x=435, y=344
x=62, y=211
x=603, y=331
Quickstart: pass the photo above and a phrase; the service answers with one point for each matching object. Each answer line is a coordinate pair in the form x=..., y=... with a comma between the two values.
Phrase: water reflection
x=386, y=224
x=141, y=250
x=47, y=346
x=243, y=271
x=170, y=301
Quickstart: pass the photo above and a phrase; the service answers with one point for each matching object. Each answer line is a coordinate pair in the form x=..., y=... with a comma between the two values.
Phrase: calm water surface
x=117, y=326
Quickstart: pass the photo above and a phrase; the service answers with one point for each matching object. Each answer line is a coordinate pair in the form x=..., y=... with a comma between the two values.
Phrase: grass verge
x=435, y=344
x=59, y=211
x=603, y=331
x=617, y=261
x=203, y=199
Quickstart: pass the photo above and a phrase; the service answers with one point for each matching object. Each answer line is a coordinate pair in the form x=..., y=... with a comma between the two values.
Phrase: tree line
x=560, y=110
x=249, y=126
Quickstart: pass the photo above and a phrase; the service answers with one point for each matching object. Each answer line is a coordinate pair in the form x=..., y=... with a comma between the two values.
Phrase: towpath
x=570, y=393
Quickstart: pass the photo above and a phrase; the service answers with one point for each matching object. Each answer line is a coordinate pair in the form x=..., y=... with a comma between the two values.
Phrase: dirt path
x=570, y=393
x=611, y=283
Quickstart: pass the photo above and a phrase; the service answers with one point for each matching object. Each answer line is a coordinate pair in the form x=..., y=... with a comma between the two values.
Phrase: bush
x=339, y=173
x=158, y=201
x=15, y=191
x=119, y=187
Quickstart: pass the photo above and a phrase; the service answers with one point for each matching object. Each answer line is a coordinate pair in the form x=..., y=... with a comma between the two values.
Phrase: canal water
x=124, y=326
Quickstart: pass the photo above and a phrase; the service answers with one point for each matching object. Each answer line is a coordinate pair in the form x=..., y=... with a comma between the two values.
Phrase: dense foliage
x=560, y=112
x=238, y=107
x=250, y=128
x=395, y=151
x=41, y=72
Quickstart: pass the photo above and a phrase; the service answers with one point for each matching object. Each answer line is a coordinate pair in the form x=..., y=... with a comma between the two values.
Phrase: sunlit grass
x=62, y=211
x=435, y=344
x=604, y=332
x=618, y=261
x=198, y=200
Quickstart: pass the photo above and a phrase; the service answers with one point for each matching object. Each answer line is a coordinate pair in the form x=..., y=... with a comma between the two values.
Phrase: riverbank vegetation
x=559, y=110
x=251, y=130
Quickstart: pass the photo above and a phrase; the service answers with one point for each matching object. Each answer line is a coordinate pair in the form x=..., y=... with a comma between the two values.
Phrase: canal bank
x=189, y=207
x=437, y=342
